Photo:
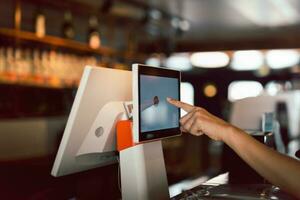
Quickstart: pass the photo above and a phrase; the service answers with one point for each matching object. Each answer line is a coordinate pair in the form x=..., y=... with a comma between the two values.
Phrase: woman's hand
x=261, y=158
x=198, y=121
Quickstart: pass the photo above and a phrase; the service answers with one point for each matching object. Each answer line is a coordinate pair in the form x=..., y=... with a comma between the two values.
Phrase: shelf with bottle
x=43, y=68
x=71, y=44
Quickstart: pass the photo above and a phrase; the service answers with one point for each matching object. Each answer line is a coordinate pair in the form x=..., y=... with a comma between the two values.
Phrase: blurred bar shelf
x=70, y=44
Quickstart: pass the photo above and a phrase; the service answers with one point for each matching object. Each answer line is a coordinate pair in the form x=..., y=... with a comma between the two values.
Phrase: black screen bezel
x=164, y=133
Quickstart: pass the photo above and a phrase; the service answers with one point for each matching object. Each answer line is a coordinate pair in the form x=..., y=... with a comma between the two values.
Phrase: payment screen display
x=155, y=112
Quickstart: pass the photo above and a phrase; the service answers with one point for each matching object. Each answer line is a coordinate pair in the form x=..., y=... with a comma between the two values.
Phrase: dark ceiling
x=231, y=24
x=216, y=24
x=231, y=18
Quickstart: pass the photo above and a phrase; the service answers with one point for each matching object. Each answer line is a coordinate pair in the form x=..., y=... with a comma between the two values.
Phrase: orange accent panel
x=124, y=135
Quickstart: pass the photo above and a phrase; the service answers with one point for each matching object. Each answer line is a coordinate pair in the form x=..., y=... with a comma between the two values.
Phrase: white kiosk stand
x=89, y=139
x=143, y=172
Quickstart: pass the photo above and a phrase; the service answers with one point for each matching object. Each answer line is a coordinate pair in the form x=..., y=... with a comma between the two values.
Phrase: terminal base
x=143, y=171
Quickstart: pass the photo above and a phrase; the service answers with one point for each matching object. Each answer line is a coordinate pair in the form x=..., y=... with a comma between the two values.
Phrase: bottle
x=45, y=67
x=18, y=66
x=68, y=28
x=28, y=65
x=37, y=65
x=40, y=24
x=53, y=77
x=94, y=35
x=10, y=74
x=2, y=61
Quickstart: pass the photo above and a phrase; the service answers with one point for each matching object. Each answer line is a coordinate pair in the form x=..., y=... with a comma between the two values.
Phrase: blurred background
x=227, y=50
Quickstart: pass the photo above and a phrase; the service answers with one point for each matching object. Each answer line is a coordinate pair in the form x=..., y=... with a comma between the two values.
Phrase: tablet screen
x=154, y=117
x=156, y=112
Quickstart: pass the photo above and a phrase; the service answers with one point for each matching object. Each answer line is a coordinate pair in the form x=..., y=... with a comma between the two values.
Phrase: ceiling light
x=155, y=14
x=242, y=89
x=187, y=94
x=184, y=25
x=278, y=59
x=210, y=90
x=155, y=62
x=209, y=59
x=247, y=60
x=175, y=22
x=272, y=88
x=179, y=61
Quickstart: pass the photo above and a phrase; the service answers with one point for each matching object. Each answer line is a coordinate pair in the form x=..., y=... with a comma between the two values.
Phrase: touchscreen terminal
x=155, y=117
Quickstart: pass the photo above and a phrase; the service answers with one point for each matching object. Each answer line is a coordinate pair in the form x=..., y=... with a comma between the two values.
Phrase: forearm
x=279, y=169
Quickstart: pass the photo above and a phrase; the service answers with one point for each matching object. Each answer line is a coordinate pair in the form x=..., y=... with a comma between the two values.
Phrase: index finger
x=186, y=107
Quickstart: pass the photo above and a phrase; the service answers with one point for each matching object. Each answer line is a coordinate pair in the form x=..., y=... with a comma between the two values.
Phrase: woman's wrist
x=228, y=134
